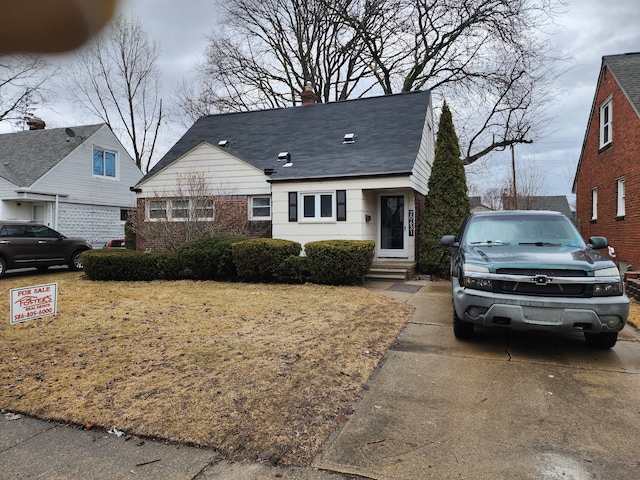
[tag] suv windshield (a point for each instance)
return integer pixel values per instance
(522, 230)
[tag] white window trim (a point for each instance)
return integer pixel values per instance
(621, 198)
(117, 166)
(594, 204)
(259, 217)
(169, 210)
(317, 209)
(606, 105)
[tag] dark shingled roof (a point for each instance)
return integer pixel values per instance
(388, 133)
(27, 156)
(626, 70)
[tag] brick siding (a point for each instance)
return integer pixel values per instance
(601, 169)
(231, 219)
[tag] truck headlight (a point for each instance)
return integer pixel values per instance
(608, 289)
(473, 277)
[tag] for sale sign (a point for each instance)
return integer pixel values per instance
(37, 301)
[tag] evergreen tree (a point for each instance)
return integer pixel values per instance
(447, 202)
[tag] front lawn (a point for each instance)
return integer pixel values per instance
(241, 368)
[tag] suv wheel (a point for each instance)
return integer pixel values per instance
(3, 267)
(75, 264)
(601, 340)
(462, 330)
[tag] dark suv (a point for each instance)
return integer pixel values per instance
(531, 270)
(25, 244)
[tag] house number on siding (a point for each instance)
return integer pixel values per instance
(411, 223)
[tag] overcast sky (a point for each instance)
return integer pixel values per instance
(589, 30)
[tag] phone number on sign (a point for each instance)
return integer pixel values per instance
(32, 313)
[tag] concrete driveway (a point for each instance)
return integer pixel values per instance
(503, 406)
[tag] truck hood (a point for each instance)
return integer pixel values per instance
(534, 256)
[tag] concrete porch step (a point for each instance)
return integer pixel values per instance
(391, 270)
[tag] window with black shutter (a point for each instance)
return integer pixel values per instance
(293, 206)
(341, 205)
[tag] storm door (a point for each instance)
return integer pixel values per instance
(392, 241)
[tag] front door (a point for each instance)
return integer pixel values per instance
(392, 241)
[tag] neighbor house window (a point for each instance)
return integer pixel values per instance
(104, 163)
(594, 204)
(180, 209)
(260, 208)
(317, 206)
(621, 198)
(605, 122)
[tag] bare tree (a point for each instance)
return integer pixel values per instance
(23, 84)
(267, 50)
(529, 185)
(487, 57)
(117, 79)
(191, 209)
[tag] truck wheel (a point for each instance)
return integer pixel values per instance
(462, 330)
(75, 264)
(601, 340)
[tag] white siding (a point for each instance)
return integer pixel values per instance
(362, 201)
(226, 174)
(73, 177)
(96, 223)
(422, 167)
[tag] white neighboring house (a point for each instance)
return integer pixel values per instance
(356, 169)
(76, 180)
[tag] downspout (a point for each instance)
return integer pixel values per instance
(55, 216)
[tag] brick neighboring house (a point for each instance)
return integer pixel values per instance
(355, 169)
(607, 181)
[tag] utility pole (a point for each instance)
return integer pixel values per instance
(513, 170)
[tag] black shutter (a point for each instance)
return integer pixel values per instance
(341, 205)
(293, 206)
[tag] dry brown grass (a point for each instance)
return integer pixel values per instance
(241, 368)
(634, 314)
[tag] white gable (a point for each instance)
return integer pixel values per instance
(225, 174)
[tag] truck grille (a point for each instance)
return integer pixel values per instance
(547, 289)
(550, 289)
(542, 271)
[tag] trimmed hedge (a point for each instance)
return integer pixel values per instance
(126, 265)
(258, 259)
(294, 269)
(333, 262)
(339, 262)
(210, 258)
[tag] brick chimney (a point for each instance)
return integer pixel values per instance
(36, 123)
(308, 96)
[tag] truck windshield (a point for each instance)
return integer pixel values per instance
(512, 229)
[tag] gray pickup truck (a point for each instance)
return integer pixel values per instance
(531, 270)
